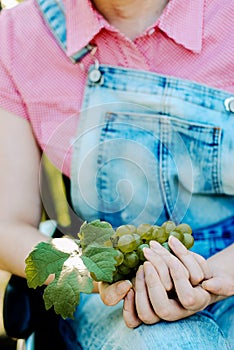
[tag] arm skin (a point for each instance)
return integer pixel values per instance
(20, 204)
(20, 201)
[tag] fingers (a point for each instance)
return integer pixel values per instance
(203, 265)
(196, 265)
(129, 311)
(111, 294)
(191, 298)
(160, 264)
(165, 308)
(143, 305)
(185, 269)
(188, 260)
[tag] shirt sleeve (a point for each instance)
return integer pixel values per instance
(10, 98)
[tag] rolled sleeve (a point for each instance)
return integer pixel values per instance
(10, 98)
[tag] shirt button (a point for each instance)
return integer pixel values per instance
(229, 104)
(151, 31)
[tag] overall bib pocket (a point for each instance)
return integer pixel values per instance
(148, 165)
(149, 149)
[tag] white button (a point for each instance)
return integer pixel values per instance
(95, 76)
(151, 31)
(229, 104)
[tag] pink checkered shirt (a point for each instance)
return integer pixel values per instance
(191, 40)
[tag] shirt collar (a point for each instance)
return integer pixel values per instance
(179, 21)
(183, 22)
(82, 24)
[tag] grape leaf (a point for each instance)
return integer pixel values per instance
(72, 262)
(63, 293)
(95, 233)
(98, 258)
(100, 261)
(44, 260)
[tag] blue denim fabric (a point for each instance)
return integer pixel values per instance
(214, 238)
(150, 148)
(99, 327)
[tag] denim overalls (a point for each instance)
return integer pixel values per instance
(151, 148)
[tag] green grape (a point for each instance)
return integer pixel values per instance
(137, 239)
(144, 230)
(119, 258)
(166, 246)
(183, 228)
(127, 243)
(131, 259)
(188, 240)
(169, 226)
(125, 229)
(177, 234)
(160, 235)
(118, 276)
(140, 251)
(123, 269)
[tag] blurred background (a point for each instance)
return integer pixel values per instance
(9, 3)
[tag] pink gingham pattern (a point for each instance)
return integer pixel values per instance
(191, 40)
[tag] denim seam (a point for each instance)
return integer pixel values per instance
(169, 83)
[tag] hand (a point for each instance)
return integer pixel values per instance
(111, 294)
(161, 274)
(222, 282)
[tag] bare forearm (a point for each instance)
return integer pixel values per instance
(20, 201)
(224, 259)
(17, 240)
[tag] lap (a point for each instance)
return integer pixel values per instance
(100, 327)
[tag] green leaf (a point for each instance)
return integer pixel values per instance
(95, 233)
(64, 292)
(72, 266)
(100, 261)
(44, 260)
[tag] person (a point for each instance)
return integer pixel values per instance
(133, 101)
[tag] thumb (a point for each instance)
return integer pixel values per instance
(218, 286)
(111, 294)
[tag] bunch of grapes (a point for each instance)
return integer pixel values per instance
(129, 241)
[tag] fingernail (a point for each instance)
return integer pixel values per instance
(140, 272)
(129, 295)
(123, 286)
(155, 245)
(147, 251)
(173, 241)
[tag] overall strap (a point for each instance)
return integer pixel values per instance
(54, 15)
